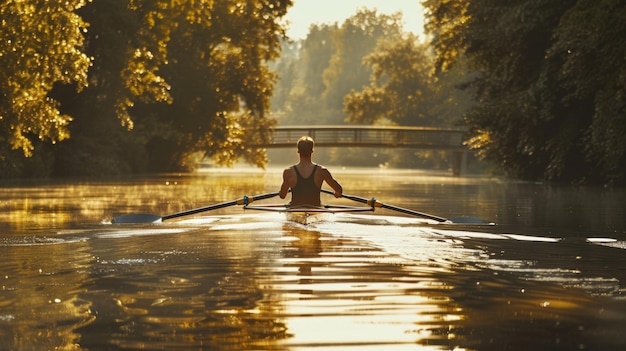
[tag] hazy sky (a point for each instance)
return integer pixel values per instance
(303, 13)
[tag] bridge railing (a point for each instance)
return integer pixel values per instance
(370, 136)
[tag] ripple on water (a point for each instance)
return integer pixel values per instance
(347, 284)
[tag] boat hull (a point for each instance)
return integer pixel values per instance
(307, 217)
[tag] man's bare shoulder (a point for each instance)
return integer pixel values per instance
(289, 173)
(321, 167)
(323, 170)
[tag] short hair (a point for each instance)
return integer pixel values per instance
(305, 145)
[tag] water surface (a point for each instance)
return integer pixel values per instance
(549, 276)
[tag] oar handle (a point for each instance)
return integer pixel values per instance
(250, 199)
(350, 197)
(374, 203)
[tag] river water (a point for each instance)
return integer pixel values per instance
(550, 275)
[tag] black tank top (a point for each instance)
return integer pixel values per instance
(305, 192)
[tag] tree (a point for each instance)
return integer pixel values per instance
(538, 115)
(358, 37)
(330, 65)
(304, 103)
(217, 56)
(287, 69)
(40, 47)
(105, 138)
(446, 22)
(589, 55)
(168, 80)
(401, 87)
(405, 90)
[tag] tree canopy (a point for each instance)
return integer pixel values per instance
(549, 83)
(135, 85)
(329, 65)
(405, 90)
(40, 46)
(120, 86)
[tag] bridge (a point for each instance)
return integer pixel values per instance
(426, 138)
(370, 136)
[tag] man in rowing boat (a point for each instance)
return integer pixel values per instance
(305, 179)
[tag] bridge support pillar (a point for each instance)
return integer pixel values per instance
(459, 163)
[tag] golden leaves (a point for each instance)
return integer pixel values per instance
(40, 46)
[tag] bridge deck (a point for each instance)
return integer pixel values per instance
(370, 136)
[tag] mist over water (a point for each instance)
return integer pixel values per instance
(549, 276)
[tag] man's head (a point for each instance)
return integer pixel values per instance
(305, 146)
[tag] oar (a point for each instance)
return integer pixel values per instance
(149, 218)
(374, 203)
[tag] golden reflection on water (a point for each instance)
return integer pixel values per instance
(40, 306)
(342, 296)
(249, 281)
(28, 206)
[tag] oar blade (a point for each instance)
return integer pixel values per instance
(136, 218)
(374, 203)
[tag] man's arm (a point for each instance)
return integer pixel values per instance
(328, 178)
(288, 182)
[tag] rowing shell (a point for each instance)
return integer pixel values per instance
(306, 214)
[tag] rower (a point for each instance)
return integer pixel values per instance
(305, 179)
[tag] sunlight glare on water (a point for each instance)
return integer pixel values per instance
(548, 276)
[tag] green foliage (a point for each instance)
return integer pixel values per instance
(401, 86)
(550, 83)
(149, 85)
(40, 46)
(358, 37)
(405, 90)
(330, 65)
(304, 86)
(216, 62)
(447, 23)
(590, 47)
